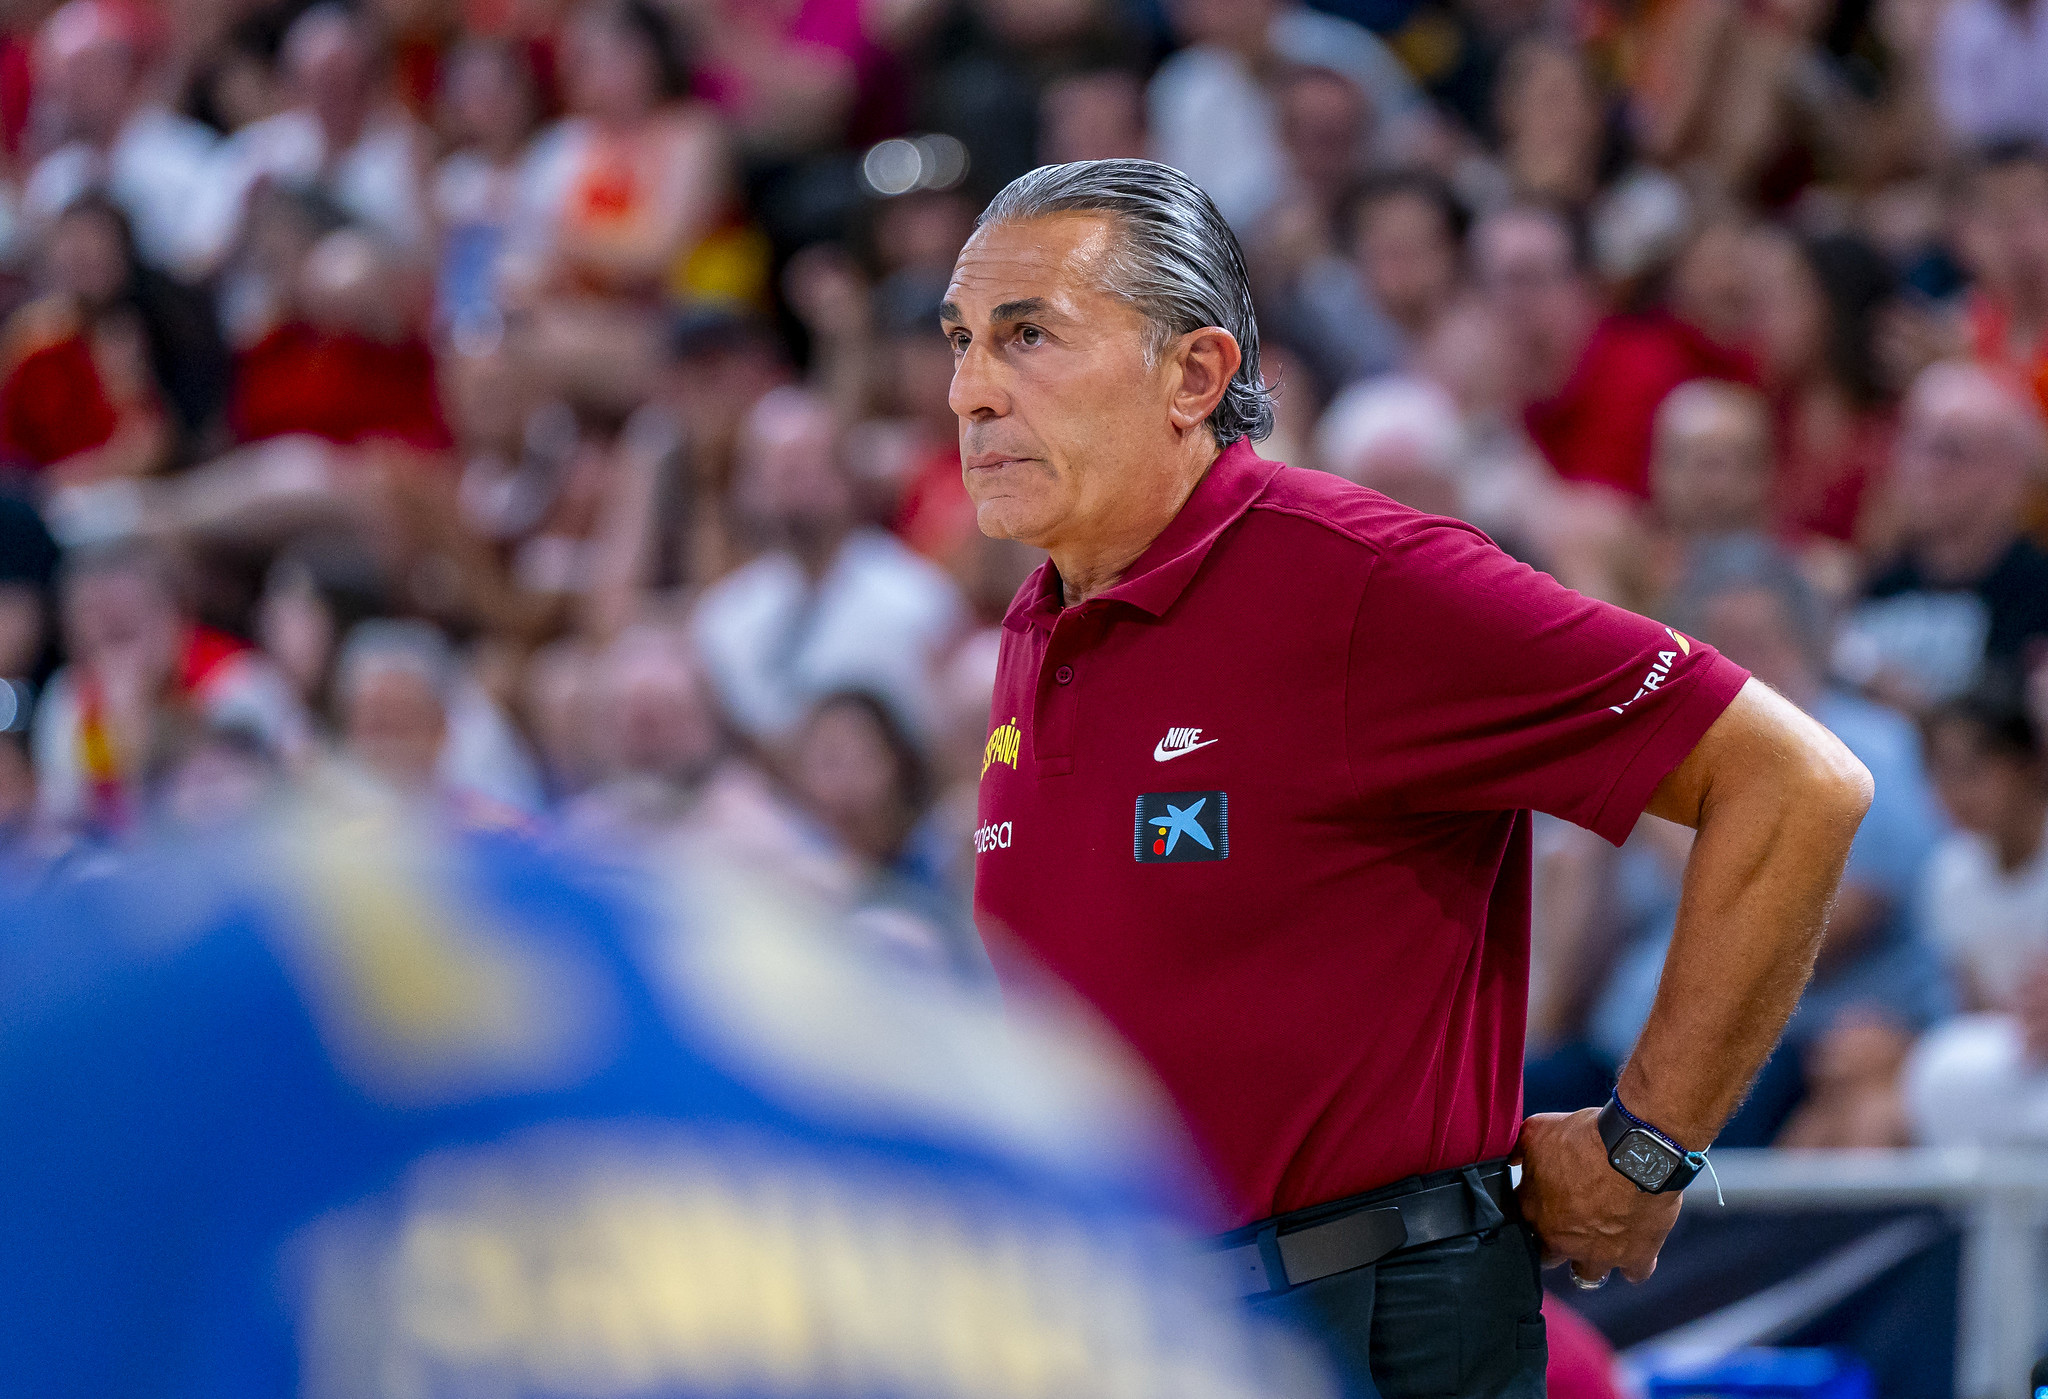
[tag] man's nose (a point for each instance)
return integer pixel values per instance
(977, 390)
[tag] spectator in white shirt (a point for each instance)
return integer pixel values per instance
(1989, 56)
(833, 604)
(488, 110)
(666, 766)
(1983, 1077)
(1213, 117)
(141, 667)
(411, 715)
(362, 150)
(96, 99)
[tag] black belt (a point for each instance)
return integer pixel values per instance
(1323, 1240)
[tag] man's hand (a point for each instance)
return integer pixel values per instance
(1585, 1212)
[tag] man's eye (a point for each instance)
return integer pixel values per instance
(1030, 335)
(958, 340)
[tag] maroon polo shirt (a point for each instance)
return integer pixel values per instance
(1266, 803)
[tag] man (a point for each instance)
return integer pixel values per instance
(920, 448)
(96, 67)
(1407, 232)
(140, 661)
(337, 1105)
(834, 605)
(1752, 604)
(1876, 982)
(1313, 294)
(667, 769)
(393, 686)
(1211, 106)
(1400, 436)
(342, 137)
(1376, 300)
(668, 524)
(1711, 464)
(1590, 383)
(2002, 237)
(411, 717)
(1982, 1077)
(1092, 113)
(1264, 746)
(656, 737)
(1969, 590)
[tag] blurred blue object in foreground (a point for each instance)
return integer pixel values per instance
(353, 1108)
(1769, 1374)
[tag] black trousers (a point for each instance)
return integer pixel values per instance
(1457, 1319)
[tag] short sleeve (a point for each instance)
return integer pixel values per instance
(1476, 683)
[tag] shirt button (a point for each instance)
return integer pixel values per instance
(1065, 675)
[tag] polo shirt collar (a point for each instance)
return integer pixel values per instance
(1234, 480)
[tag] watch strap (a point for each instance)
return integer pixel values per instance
(1616, 1121)
(1614, 1125)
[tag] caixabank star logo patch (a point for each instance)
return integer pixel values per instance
(1177, 827)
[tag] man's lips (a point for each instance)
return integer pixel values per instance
(991, 461)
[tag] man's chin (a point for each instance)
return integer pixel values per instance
(1001, 519)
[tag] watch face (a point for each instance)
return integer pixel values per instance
(1643, 1159)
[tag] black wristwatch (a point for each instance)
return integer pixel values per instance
(1651, 1161)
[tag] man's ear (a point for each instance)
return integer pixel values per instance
(1207, 360)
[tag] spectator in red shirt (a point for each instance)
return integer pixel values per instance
(933, 514)
(117, 367)
(1713, 476)
(349, 367)
(1591, 383)
(1815, 303)
(798, 77)
(54, 406)
(2002, 235)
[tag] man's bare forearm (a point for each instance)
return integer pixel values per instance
(1776, 800)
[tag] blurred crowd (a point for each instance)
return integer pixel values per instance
(537, 408)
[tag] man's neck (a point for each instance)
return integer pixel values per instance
(1088, 568)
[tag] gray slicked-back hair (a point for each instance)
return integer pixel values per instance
(1176, 261)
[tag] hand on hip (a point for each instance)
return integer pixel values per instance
(1584, 1211)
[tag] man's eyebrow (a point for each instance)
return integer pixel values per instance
(1035, 308)
(1018, 310)
(1006, 311)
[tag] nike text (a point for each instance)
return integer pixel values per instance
(1177, 742)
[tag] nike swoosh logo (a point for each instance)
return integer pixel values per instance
(1160, 752)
